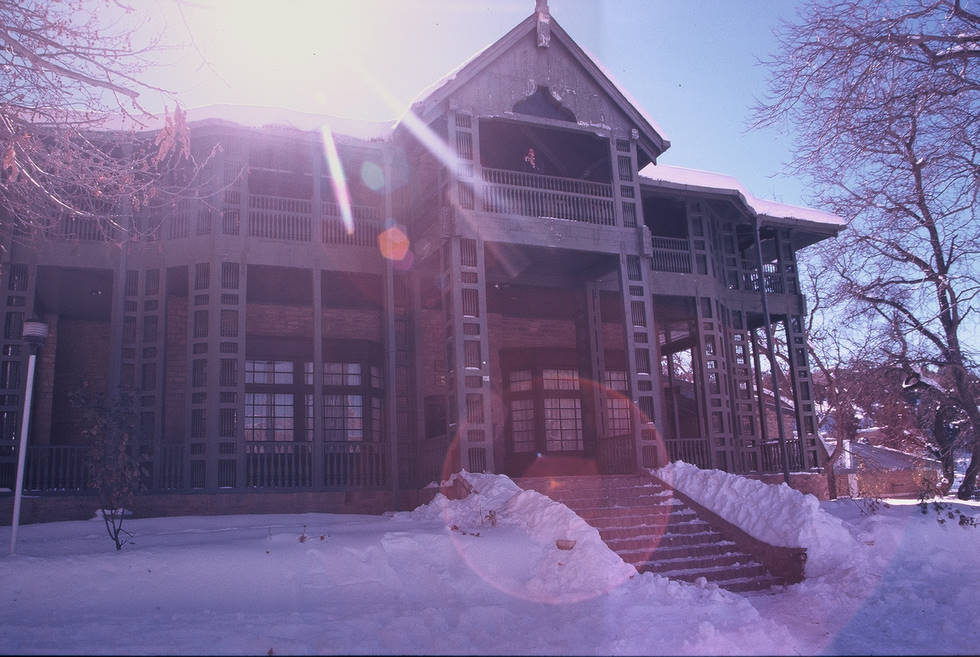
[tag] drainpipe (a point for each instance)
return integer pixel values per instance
(770, 352)
(391, 351)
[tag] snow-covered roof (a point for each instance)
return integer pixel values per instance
(489, 52)
(627, 95)
(262, 117)
(682, 178)
(879, 457)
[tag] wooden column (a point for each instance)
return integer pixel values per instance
(467, 350)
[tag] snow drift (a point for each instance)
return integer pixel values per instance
(776, 514)
(590, 568)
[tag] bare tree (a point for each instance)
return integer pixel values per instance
(885, 101)
(74, 140)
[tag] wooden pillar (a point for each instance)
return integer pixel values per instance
(467, 351)
(642, 359)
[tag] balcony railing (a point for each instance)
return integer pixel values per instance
(355, 464)
(774, 280)
(279, 218)
(367, 225)
(689, 450)
(278, 465)
(536, 195)
(56, 468)
(268, 465)
(671, 254)
(772, 461)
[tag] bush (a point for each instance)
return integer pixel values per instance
(110, 429)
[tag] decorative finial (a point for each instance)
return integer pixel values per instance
(544, 23)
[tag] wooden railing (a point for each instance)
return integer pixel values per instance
(170, 467)
(56, 468)
(280, 218)
(535, 195)
(367, 225)
(772, 460)
(278, 465)
(689, 450)
(84, 229)
(671, 255)
(616, 455)
(551, 183)
(355, 464)
(268, 465)
(290, 219)
(774, 280)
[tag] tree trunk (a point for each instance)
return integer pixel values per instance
(969, 485)
(831, 460)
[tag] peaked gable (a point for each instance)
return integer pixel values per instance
(518, 65)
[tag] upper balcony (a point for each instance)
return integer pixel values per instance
(534, 170)
(537, 195)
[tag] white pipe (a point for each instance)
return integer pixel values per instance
(22, 450)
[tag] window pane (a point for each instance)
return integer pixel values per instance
(520, 380)
(522, 425)
(560, 379)
(268, 416)
(563, 424)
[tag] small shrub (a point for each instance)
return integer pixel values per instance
(945, 512)
(110, 426)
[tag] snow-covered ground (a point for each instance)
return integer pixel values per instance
(452, 577)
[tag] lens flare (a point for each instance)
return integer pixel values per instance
(337, 178)
(372, 175)
(393, 243)
(553, 467)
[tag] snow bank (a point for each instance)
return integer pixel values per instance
(588, 569)
(776, 514)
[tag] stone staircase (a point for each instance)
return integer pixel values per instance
(651, 527)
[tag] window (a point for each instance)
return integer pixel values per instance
(522, 425)
(555, 379)
(343, 417)
(268, 416)
(352, 401)
(278, 407)
(563, 424)
(617, 405)
(342, 374)
(275, 372)
(520, 380)
(545, 410)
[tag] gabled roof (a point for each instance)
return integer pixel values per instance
(693, 180)
(426, 105)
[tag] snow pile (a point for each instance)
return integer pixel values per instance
(776, 514)
(588, 569)
(411, 584)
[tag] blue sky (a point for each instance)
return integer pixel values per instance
(691, 65)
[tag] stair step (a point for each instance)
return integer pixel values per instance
(700, 534)
(645, 523)
(650, 526)
(712, 574)
(728, 560)
(633, 515)
(592, 508)
(630, 549)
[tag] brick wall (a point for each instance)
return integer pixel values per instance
(432, 358)
(279, 320)
(297, 322)
(353, 324)
(83, 358)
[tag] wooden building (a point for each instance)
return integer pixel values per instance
(511, 296)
